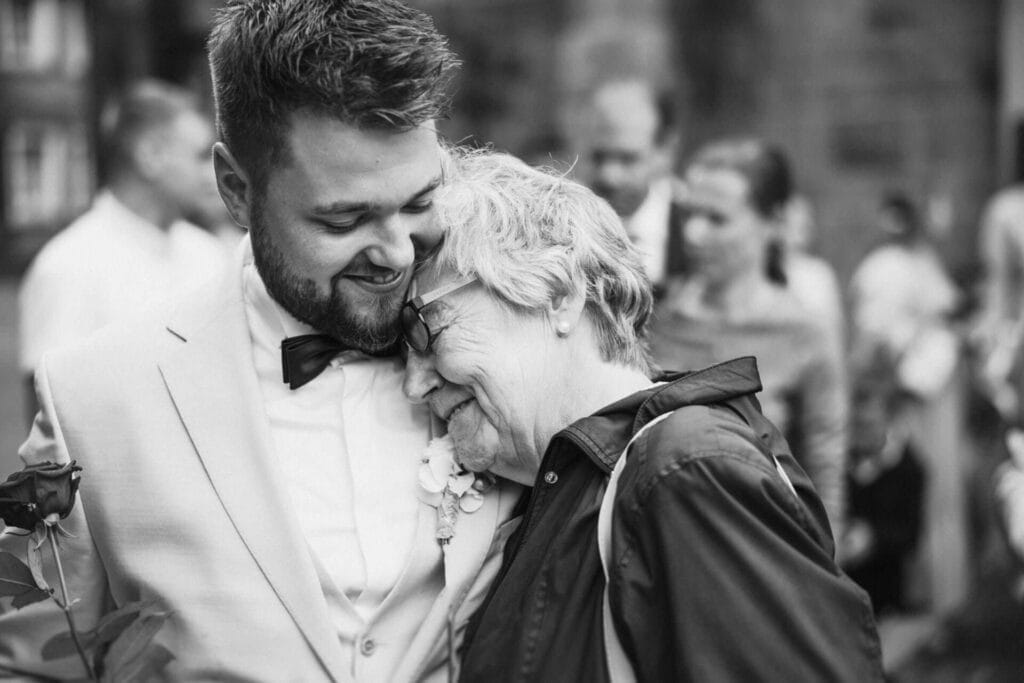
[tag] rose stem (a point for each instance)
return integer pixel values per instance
(66, 604)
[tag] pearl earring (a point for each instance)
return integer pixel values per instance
(562, 328)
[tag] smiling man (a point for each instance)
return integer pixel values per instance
(250, 462)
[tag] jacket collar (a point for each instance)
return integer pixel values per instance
(603, 435)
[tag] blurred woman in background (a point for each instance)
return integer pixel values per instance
(732, 302)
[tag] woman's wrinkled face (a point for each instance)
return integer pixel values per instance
(723, 233)
(485, 375)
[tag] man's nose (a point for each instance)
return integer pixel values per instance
(401, 237)
(421, 377)
(610, 173)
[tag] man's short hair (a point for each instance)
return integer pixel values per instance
(370, 63)
(145, 106)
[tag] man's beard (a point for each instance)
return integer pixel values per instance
(372, 328)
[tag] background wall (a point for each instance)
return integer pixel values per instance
(865, 95)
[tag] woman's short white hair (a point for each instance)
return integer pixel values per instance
(531, 235)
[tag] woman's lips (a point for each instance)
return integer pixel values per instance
(456, 409)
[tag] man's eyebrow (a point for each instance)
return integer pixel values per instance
(343, 207)
(428, 188)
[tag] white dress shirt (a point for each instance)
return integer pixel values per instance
(648, 228)
(108, 265)
(349, 445)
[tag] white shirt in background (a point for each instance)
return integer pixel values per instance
(814, 284)
(108, 265)
(648, 228)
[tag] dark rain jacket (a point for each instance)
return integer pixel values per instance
(719, 572)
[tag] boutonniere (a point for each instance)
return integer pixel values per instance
(449, 488)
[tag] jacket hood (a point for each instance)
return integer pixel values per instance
(616, 424)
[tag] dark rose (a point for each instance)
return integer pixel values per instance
(38, 491)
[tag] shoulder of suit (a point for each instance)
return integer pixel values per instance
(138, 342)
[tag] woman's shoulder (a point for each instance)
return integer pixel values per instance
(697, 432)
(703, 455)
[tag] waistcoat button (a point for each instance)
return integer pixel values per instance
(550, 477)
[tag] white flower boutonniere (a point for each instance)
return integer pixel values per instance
(448, 487)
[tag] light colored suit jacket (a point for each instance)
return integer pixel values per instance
(181, 502)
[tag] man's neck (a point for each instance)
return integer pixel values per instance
(145, 202)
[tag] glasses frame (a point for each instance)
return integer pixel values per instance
(418, 303)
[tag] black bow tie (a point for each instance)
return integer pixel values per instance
(305, 356)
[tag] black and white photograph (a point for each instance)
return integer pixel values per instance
(533, 341)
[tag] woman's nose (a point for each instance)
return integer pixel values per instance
(421, 378)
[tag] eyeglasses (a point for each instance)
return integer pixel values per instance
(418, 334)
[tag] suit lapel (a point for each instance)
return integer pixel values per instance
(215, 390)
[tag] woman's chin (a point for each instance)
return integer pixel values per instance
(473, 458)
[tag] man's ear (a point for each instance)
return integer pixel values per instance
(564, 311)
(234, 185)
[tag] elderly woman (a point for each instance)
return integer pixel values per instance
(526, 335)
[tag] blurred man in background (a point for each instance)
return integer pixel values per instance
(629, 144)
(133, 248)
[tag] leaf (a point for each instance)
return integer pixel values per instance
(107, 630)
(113, 624)
(130, 652)
(16, 579)
(142, 667)
(28, 597)
(63, 645)
(35, 565)
(15, 576)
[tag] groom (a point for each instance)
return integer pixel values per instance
(249, 459)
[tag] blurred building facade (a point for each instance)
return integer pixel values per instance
(865, 96)
(926, 96)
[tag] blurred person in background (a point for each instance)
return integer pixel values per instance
(886, 488)
(133, 249)
(811, 279)
(902, 299)
(629, 144)
(732, 302)
(999, 331)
